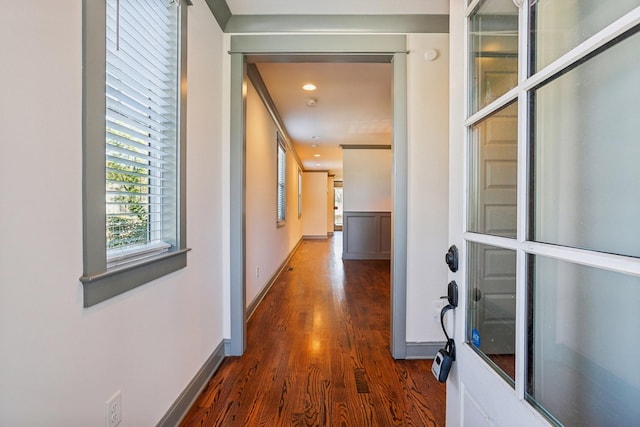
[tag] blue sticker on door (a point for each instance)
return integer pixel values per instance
(475, 338)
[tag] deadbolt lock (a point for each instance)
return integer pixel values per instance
(451, 258)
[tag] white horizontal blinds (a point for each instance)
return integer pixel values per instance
(282, 166)
(141, 127)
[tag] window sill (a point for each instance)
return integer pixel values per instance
(119, 258)
(102, 286)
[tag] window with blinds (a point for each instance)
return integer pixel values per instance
(282, 172)
(141, 128)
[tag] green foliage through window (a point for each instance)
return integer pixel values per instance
(127, 198)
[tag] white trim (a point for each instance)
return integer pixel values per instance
(488, 239)
(496, 105)
(521, 321)
(119, 257)
(606, 261)
(470, 9)
(611, 262)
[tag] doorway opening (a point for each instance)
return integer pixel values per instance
(247, 49)
(338, 208)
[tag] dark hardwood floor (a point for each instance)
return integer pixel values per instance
(318, 354)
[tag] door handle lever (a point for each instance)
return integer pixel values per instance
(452, 294)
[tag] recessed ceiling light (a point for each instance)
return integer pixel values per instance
(314, 145)
(316, 155)
(317, 164)
(309, 87)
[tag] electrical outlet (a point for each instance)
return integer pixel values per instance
(113, 410)
(257, 272)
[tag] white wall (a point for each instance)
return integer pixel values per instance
(60, 362)
(367, 180)
(267, 245)
(314, 204)
(428, 192)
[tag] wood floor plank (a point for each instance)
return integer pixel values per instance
(318, 354)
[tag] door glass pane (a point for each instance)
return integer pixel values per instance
(583, 367)
(493, 169)
(492, 305)
(558, 26)
(493, 46)
(586, 167)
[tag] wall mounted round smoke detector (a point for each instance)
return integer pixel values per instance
(431, 55)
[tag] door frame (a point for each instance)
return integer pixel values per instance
(335, 48)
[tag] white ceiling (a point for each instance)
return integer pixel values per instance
(338, 7)
(354, 99)
(353, 107)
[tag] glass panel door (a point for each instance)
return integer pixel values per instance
(552, 193)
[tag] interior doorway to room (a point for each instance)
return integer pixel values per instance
(338, 208)
(247, 50)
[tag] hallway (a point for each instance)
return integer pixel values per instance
(318, 354)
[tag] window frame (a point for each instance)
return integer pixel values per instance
(99, 282)
(280, 147)
(299, 193)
